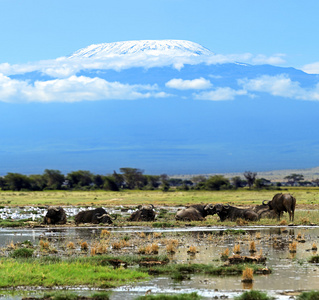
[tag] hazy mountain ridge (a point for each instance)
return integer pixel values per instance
(275, 175)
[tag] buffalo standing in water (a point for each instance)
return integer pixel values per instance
(55, 216)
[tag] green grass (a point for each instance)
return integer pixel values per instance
(192, 296)
(254, 295)
(31, 272)
(174, 269)
(171, 198)
(312, 295)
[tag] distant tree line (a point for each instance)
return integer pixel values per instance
(133, 178)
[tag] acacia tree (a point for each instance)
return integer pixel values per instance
(294, 178)
(80, 178)
(250, 177)
(133, 177)
(238, 182)
(17, 181)
(54, 179)
(217, 182)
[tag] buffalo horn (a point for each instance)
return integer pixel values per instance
(265, 203)
(226, 206)
(56, 208)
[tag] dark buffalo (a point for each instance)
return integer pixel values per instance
(282, 203)
(143, 214)
(227, 212)
(94, 216)
(194, 212)
(263, 211)
(55, 215)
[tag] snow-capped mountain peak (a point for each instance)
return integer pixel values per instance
(147, 47)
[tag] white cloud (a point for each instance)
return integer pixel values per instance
(195, 84)
(311, 68)
(220, 94)
(280, 85)
(64, 67)
(261, 59)
(73, 89)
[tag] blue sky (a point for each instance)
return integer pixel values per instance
(33, 30)
(193, 115)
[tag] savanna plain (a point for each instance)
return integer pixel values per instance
(161, 259)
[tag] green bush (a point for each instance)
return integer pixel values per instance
(314, 259)
(22, 253)
(254, 295)
(312, 295)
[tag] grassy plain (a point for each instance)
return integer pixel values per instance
(304, 196)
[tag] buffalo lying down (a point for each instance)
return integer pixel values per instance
(263, 211)
(282, 203)
(143, 214)
(55, 215)
(194, 212)
(232, 213)
(94, 216)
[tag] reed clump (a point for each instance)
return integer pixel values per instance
(105, 233)
(225, 254)
(44, 245)
(293, 247)
(248, 275)
(84, 246)
(252, 247)
(192, 250)
(152, 249)
(70, 246)
(237, 249)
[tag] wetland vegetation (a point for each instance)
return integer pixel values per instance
(126, 253)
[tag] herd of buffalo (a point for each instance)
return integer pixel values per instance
(197, 212)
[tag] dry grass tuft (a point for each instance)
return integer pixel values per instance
(252, 247)
(105, 233)
(192, 250)
(293, 247)
(171, 247)
(237, 249)
(142, 235)
(70, 245)
(248, 275)
(157, 235)
(44, 245)
(225, 254)
(283, 223)
(84, 246)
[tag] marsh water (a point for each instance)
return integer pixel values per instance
(290, 272)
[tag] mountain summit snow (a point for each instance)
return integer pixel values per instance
(148, 47)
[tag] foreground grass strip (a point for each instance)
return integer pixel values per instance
(192, 296)
(312, 295)
(254, 295)
(34, 273)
